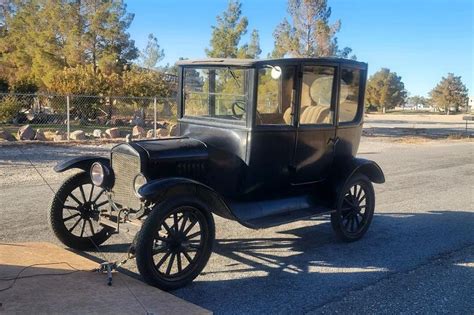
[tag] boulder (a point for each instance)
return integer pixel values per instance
(138, 121)
(97, 133)
(26, 133)
(162, 124)
(150, 133)
(59, 137)
(118, 122)
(112, 133)
(77, 135)
(138, 132)
(6, 136)
(40, 136)
(162, 132)
(173, 130)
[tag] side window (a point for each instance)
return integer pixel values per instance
(275, 95)
(349, 95)
(316, 95)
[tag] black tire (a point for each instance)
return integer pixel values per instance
(355, 209)
(167, 237)
(79, 201)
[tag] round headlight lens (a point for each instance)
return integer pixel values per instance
(97, 174)
(138, 182)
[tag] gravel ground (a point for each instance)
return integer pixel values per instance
(417, 256)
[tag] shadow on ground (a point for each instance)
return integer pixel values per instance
(308, 263)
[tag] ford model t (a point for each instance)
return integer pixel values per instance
(261, 142)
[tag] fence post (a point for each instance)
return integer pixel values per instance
(154, 117)
(68, 125)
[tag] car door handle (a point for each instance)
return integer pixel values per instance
(333, 141)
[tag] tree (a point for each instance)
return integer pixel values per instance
(418, 100)
(385, 90)
(449, 92)
(309, 34)
(107, 44)
(143, 82)
(3, 86)
(227, 33)
(251, 50)
(44, 36)
(152, 54)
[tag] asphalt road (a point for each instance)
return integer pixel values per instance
(418, 255)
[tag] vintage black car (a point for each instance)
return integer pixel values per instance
(261, 142)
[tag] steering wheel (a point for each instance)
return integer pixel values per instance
(238, 105)
(241, 106)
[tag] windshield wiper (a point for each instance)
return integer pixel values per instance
(234, 76)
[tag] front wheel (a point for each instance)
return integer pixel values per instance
(75, 211)
(355, 209)
(175, 242)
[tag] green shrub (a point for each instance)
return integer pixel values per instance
(10, 106)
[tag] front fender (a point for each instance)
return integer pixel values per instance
(81, 162)
(159, 189)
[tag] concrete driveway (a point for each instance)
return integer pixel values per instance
(417, 256)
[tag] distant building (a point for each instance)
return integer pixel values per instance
(471, 102)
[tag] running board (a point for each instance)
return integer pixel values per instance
(287, 217)
(269, 213)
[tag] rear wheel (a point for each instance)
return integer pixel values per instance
(355, 209)
(175, 242)
(75, 211)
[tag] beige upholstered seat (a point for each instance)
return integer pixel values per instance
(310, 115)
(315, 115)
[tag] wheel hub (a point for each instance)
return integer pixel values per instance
(177, 242)
(86, 210)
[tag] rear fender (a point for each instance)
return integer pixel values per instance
(159, 189)
(81, 162)
(345, 169)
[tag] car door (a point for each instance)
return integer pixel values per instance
(316, 131)
(272, 140)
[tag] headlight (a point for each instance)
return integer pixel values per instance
(97, 174)
(101, 175)
(138, 182)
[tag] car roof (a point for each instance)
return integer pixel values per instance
(256, 62)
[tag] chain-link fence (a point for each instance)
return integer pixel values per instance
(81, 117)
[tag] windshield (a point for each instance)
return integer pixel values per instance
(216, 92)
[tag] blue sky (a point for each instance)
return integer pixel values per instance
(421, 40)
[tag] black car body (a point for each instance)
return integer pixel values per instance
(262, 142)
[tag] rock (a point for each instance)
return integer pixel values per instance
(162, 132)
(6, 136)
(138, 132)
(161, 124)
(118, 122)
(26, 133)
(112, 133)
(173, 130)
(150, 134)
(78, 135)
(59, 137)
(40, 136)
(138, 121)
(97, 133)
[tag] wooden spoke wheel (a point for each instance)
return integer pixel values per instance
(355, 209)
(175, 242)
(75, 211)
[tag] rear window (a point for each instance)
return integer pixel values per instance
(349, 91)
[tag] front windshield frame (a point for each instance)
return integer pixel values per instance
(237, 78)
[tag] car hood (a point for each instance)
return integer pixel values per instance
(174, 149)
